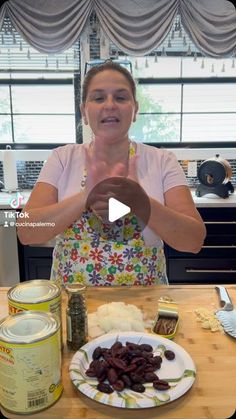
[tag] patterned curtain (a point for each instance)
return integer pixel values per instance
(137, 27)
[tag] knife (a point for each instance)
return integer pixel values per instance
(227, 314)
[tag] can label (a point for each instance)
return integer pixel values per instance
(30, 374)
(54, 306)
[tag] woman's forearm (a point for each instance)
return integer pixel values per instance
(56, 217)
(180, 231)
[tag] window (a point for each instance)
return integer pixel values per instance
(183, 96)
(37, 92)
(159, 113)
(209, 112)
(37, 113)
(185, 99)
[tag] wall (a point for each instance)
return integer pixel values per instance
(30, 162)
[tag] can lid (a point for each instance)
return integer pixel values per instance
(28, 327)
(33, 292)
(75, 288)
(168, 309)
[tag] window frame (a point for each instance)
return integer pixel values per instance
(141, 81)
(37, 82)
(183, 81)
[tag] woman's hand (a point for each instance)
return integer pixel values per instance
(100, 187)
(98, 170)
(114, 183)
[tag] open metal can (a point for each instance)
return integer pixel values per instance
(37, 294)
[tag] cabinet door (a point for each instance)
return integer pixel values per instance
(216, 262)
(38, 268)
(204, 271)
(34, 262)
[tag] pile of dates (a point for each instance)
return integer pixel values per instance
(127, 366)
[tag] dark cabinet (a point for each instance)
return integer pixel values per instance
(216, 262)
(200, 270)
(38, 268)
(34, 262)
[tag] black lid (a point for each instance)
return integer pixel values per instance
(211, 173)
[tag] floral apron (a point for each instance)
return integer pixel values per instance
(93, 253)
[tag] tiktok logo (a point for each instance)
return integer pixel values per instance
(16, 202)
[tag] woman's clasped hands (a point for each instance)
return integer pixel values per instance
(105, 180)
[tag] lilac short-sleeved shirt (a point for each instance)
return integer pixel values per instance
(158, 171)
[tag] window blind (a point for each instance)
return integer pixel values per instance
(16, 55)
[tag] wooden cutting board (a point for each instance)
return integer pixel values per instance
(213, 393)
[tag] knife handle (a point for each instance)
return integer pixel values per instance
(225, 300)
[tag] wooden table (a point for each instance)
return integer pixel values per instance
(213, 394)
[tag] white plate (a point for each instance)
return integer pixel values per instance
(180, 372)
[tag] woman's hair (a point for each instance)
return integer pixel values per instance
(107, 65)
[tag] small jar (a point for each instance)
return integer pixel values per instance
(76, 316)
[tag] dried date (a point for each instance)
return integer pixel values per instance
(131, 345)
(131, 367)
(115, 348)
(138, 361)
(105, 388)
(127, 366)
(126, 380)
(90, 372)
(119, 385)
(156, 361)
(101, 368)
(146, 347)
(149, 377)
(150, 368)
(97, 353)
(119, 363)
(136, 378)
(169, 355)
(112, 375)
(139, 388)
(161, 385)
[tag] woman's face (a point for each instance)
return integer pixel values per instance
(110, 107)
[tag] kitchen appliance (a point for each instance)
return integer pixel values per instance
(214, 175)
(227, 315)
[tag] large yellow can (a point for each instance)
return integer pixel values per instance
(30, 361)
(38, 294)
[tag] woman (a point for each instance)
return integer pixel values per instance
(85, 249)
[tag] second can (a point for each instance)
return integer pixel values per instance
(38, 294)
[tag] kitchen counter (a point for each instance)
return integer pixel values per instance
(213, 392)
(212, 200)
(205, 201)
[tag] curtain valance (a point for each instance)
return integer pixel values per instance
(137, 27)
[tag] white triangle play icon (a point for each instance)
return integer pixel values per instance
(116, 209)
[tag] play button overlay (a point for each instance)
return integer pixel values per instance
(120, 208)
(116, 209)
